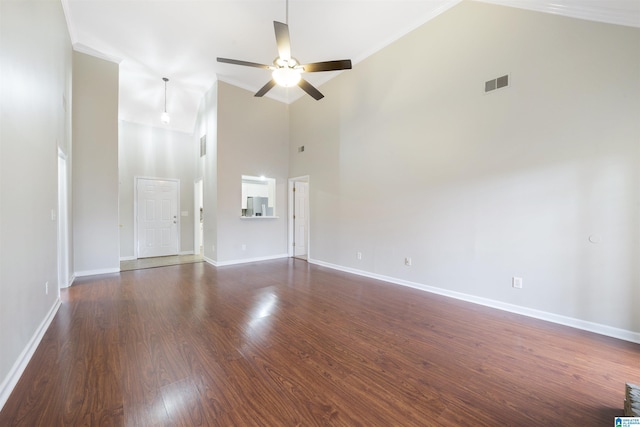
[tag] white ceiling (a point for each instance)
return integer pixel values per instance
(180, 39)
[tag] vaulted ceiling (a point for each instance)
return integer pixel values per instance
(180, 39)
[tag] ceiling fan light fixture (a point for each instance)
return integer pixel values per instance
(286, 76)
(286, 71)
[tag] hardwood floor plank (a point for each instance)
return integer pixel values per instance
(285, 343)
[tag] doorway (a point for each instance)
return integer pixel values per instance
(299, 217)
(198, 198)
(157, 221)
(63, 222)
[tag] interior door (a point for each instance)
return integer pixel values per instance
(157, 217)
(300, 218)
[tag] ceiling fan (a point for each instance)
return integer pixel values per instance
(286, 70)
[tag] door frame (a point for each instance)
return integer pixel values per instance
(198, 201)
(291, 221)
(63, 222)
(136, 245)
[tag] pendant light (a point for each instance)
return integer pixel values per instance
(165, 116)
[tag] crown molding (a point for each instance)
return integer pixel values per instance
(618, 12)
(79, 47)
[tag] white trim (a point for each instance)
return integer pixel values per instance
(16, 371)
(198, 190)
(244, 260)
(127, 258)
(186, 253)
(290, 201)
(406, 29)
(96, 272)
(597, 328)
(63, 254)
(70, 26)
(79, 47)
(598, 11)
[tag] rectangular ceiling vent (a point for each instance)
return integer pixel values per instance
(497, 83)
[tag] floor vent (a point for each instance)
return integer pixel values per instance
(497, 83)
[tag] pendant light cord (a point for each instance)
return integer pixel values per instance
(165, 93)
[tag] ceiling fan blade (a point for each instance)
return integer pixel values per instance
(282, 39)
(245, 63)
(343, 64)
(266, 88)
(308, 87)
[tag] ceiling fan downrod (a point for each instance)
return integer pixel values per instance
(286, 15)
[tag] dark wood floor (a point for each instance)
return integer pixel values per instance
(285, 343)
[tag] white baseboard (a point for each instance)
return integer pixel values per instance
(244, 260)
(186, 253)
(96, 272)
(597, 328)
(66, 285)
(8, 384)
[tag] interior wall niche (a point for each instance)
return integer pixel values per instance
(258, 197)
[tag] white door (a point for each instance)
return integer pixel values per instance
(157, 217)
(300, 218)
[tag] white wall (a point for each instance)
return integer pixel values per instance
(35, 109)
(152, 152)
(95, 165)
(206, 169)
(409, 158)
(252, 140)
(245, 136)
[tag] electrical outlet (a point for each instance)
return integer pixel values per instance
(244, 247)
(516, 282)
(407, 262)
(359, 255)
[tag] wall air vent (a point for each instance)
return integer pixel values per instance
(497, 83)
(203, 145)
